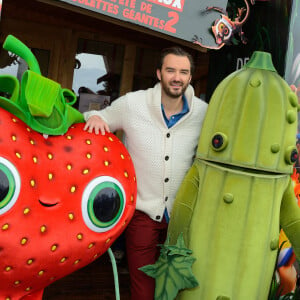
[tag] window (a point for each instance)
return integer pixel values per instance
(11, 64)
(97, 73)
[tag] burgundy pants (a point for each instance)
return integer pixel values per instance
(142, 237)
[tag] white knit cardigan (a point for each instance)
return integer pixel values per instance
(161, 156)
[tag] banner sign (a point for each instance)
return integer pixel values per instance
(184, 19)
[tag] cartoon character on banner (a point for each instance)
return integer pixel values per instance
(223, 236)
(224, 29)
(65, 194)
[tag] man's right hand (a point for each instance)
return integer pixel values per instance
(95, 123)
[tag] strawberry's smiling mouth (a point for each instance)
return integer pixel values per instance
(47, 204)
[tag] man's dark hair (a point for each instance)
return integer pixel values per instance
(176, 51)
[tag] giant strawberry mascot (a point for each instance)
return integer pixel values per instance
(65, 194)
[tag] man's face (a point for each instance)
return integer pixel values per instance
(175, 75)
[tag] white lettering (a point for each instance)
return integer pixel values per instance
(240, 62)
(173, 4)
(177, 4)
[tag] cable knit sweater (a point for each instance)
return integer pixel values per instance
(161, 156)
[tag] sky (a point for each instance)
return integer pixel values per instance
(92, 67)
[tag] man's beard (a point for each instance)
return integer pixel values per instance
(170, 93)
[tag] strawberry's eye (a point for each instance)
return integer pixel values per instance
(9, 185)
(103, 203)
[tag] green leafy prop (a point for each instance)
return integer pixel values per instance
(42, 104)
(172, 271)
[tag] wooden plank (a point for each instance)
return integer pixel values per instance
(127, 75)
(128, 69)
(66, 60)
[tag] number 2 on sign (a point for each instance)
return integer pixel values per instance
(174, 17)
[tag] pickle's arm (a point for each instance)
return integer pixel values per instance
(184, 205)
(173, 269)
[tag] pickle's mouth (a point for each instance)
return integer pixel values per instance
(241, 169)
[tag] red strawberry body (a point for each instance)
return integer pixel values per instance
(69, 198)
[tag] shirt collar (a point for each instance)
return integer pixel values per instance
(175, 118)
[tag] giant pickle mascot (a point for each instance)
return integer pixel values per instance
(237, 194)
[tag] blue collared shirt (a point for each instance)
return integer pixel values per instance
(171, 122)
(175, 118)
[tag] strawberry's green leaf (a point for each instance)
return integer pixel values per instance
(172, 271)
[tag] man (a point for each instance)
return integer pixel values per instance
(161, 128)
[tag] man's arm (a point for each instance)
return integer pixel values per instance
(108, 119)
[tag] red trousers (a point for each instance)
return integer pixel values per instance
(142, 237)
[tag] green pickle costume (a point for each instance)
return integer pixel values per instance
(237, 194)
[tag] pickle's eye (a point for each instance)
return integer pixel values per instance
(219, 141)
(10, 184)
(291, 155)
(103, 203)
